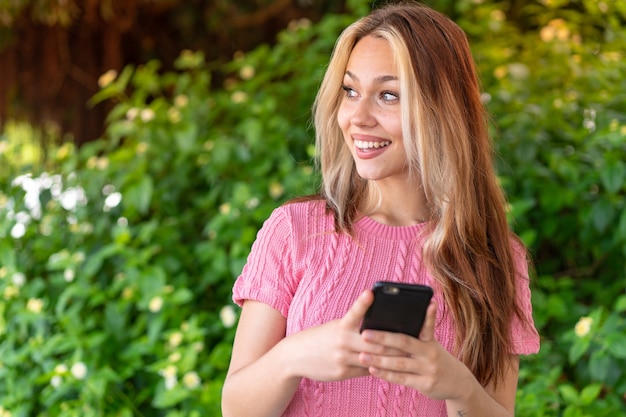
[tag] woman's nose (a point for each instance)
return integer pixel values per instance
(362, 114)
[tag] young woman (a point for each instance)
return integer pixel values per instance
(409, 195)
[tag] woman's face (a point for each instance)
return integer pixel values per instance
(369, 113)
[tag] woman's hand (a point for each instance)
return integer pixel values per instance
(425, 365)
(330, 352)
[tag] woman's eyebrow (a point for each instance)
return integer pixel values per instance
(381, 79)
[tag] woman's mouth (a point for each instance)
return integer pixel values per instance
(367, 145)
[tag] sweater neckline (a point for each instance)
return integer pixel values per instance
(371, 226)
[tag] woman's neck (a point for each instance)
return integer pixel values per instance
(397, 204)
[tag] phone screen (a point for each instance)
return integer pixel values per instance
(398, 307)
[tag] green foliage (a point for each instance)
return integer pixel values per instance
(117, 259)
(557, 99)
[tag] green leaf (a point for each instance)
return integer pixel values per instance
(572, 411)
(165, 398)
(599, 365)
(94, 262)
(602, 213)
(181, 296)
(7, 254)
(578, 349)
(569, 393)
(151, 283)
(186, 137)
(139, 195)
(115, 319)
(116, 88)
(613, 175)
(620, 233)
(620, 304)
(616, 344)
(590, 393)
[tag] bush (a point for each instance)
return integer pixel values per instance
(557, 98)
(117, 259)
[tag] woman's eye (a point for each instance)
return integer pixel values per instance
(389, 96)
(349, 92)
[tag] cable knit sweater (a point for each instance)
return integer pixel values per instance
(311, 275)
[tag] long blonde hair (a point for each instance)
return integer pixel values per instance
(468, 249)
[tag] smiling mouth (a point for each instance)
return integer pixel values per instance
(365, 145)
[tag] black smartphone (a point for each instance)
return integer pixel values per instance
(398, 308)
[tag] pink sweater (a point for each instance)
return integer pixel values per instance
(312, 275)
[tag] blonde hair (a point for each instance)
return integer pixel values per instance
(468, 249)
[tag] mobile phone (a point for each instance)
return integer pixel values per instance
(398, 307)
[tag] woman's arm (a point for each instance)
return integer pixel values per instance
(256, 383)
(475, 400)
(266, 367)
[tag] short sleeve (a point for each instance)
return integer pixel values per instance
(524, 336)
(267, 275)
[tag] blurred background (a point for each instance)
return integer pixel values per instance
(53, 52)
(143, 143)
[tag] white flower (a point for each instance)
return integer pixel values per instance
(146, 115)
(228, 316)
(155, 304)
(18, 279)
(276, 189)
(174, 115)
(79, 370)
(34, 305)
(246, 72)
(169, 376)
(58, 256)
(238, 97)
(108, 189)
(252, 203)
(68, 275)
(107, 78)
(132, 113)
(175, 339)
(18, 231)
(78, 257)
(519, 71)
(60, 369)
(169, 370)
(10, 291)
(112, 200)
(583, 326)
(225, 208)
(170, 382)
(72, 197)
(56, 381)
(191, 380)
(181, 100)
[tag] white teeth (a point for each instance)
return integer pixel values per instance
(361, 144)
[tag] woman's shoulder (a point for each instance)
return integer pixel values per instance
(306, 206)
(305, 215)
